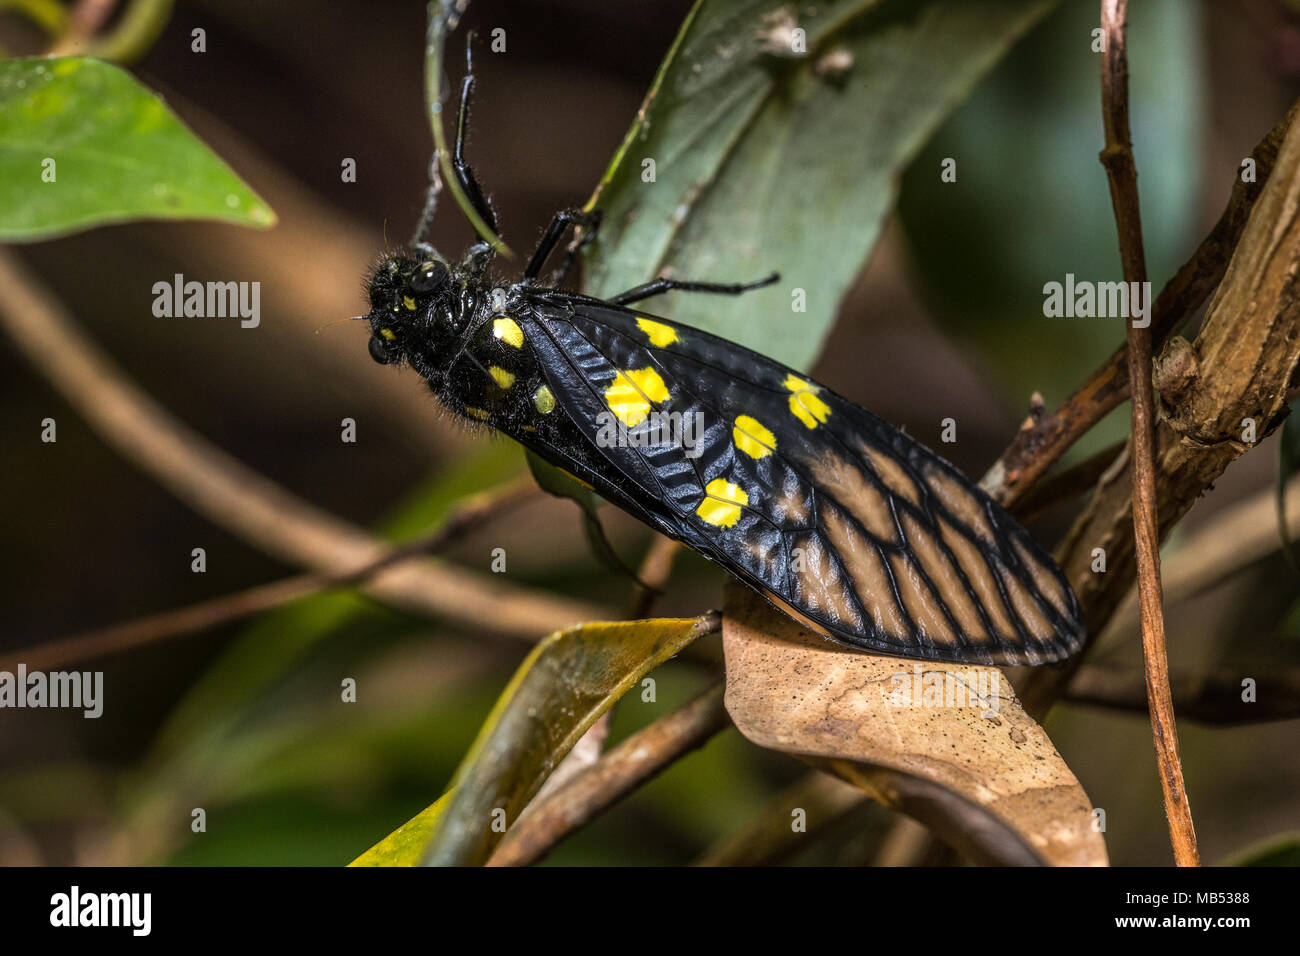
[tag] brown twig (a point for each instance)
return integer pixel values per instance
(1213, 698)
(633, 762)
(1067, 484)
(85, 18)
(1042, 440)
(207, 615)
(652, 577)
(128, 40)
(1236, 372)
(1235, 539)
(243, 501)
(1117, 157)
(768, 838)
(969, 828)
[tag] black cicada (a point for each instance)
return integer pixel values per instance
(839, 519)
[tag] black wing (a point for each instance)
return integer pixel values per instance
(840, 519)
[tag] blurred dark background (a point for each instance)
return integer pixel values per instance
(945, 320)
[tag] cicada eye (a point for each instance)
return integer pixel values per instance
(381, 351)
(428, 276)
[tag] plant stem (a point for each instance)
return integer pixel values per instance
(443, 17)
(1117, 157)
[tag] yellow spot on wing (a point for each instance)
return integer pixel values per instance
(509, 332)
(544, 399)
(752, 437)
(722, 503)
(503, 378)
(632, 393)
(659, 333)
(805, 404)
(409, 303)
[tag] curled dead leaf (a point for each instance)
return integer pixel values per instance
(947, 744)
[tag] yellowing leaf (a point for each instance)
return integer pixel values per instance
(569, 680)
(404, 845)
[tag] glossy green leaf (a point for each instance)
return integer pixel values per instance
(559, 691)
(82, 144)
(766, 159)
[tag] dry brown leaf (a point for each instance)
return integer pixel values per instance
(978, 771)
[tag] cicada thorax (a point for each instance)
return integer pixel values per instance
(493, 376)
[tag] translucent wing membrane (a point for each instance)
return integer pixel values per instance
(841, 520)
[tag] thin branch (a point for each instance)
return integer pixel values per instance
(443, 18)
(206, 615)
(127, 41)
(235, 497)
(1042, 440)
(908, 843)
(767, 838)
(1215, 697)
(1230, 394)
(1234, 539)
(85, 18)
(652, 577)
(1117, 157)
(629, 765)
(1067, 484)
(980, 836)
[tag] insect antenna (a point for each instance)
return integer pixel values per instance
(330, 325)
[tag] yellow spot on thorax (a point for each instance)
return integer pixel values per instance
(479, 413)
(544, 400)
(753, 437)
(503, 378)
(409, 303)
(722, 503)
(659, 333)
(805, 404)
(631, 395)
(509, 332)
(388, 334)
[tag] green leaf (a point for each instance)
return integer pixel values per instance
(558, 482)
(1280, 850)
(113, 150)
(766, 160)
(559, 691)
(403, 846)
